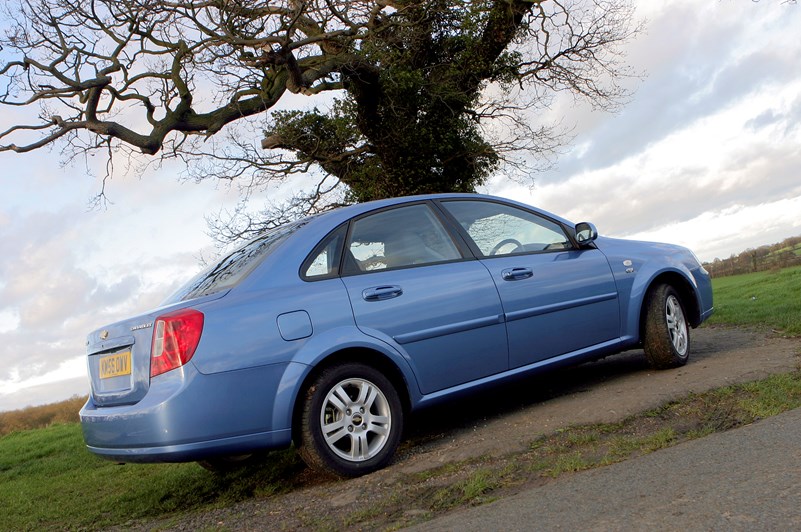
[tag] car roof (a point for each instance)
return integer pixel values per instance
(314, 228)
(342, 214)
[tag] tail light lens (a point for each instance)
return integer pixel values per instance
(175, 338)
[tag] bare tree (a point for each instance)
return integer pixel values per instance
(422, 95)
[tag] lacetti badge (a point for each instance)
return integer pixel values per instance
(143, 326)
(103, 335)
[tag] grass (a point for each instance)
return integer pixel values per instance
(765, 299)
(49, 481)
(696, 415)
(469, 491)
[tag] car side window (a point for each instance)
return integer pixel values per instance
(397, 238)
(323, 262)
(498, 229)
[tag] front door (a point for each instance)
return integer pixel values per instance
(411, 286)
(557, 299)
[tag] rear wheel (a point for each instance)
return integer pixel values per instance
(666, 339)
(351, 421)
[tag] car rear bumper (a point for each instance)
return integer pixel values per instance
(188, 452)
(186, 415)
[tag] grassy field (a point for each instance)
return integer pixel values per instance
(49, 481)
(764, 299)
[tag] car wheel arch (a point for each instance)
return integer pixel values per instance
(686, 291)
(362, 355)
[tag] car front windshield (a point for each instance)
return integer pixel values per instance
(234, 267)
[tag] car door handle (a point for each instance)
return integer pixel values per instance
(380, 293)
(516, 274)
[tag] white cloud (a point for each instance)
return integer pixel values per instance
(9, 320)
(67, 369)
(68, 270)
(709, 152)
(718, 234)
(44, 393)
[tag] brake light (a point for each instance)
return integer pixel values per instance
(175, 338)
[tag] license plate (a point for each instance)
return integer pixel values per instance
(115, 365)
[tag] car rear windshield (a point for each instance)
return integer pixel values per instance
(234, 267)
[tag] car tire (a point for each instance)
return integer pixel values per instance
(666, 333)
(351, 421)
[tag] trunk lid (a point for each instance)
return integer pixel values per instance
(119, 361)
(119, 355)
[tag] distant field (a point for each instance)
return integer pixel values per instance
(49, 481)
(771, 257)
(35, 417)
(764, 299)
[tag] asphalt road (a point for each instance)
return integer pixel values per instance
(743, 479)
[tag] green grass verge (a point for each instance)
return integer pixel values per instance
(49, 481)
(764, 299)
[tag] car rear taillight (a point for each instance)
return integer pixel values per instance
(175, 338)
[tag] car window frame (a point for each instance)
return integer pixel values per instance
(462, 247)
(476, 251)
(315, 252)
(465, 253)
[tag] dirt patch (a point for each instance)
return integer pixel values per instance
(504, 420)
(444, 445)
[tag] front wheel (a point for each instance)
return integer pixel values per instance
(351, 421)
(666, 339)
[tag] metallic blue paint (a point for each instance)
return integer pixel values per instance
(164, 425)
(447, 329)
(294, 325)
(447, 317)
(569, 303)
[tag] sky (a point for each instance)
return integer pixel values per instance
(706, 154)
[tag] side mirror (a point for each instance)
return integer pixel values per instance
(585, 233)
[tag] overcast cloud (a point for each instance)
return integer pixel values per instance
(707, 153)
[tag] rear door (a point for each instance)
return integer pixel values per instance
(556, 298)
(411, 285)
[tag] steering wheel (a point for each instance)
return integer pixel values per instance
(504, 242)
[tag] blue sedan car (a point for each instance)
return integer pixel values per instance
(327, 331)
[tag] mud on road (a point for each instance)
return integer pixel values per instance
(506, 419)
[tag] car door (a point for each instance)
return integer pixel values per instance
(410, 285)
(556, 298)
